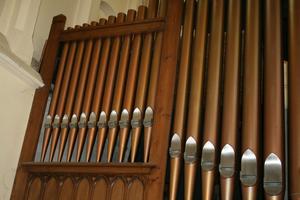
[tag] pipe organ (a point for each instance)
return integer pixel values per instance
(177, 100)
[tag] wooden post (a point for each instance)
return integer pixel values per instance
(38, 107)
(163, 105)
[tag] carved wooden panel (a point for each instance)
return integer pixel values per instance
(86, 187)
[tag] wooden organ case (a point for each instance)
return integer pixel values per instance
(177, 100)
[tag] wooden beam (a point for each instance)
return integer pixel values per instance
(110, 169)
(144, 26)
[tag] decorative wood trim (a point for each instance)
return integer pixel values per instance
(145, 26)
(117, 169)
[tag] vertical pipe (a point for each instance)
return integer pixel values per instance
(109, 87)
(79, 96)
(195, 99)
(251, 103)
(231, 101)
(181, 98)
(153, 84)
(273, 103)
(130, 88)
(294, 98)
(119, 90)
(91, 78)
(54, 100)
(68, 104)
(97, 94)
(212, 107)
(142, 86)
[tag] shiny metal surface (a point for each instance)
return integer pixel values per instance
(74, 121)
(48, 121)
(82, 121)
(273, 180)
(208, 156)
(65, 121)
(124, 121)
(92, 120)
(56, 122)
(190, 153)
(248, 174)
(175, 148)
(136, 118)
(113, 119)
(227, 163)
(148, 119)
(102, 123)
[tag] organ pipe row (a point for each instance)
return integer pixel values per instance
(228, 119)
(93, 98)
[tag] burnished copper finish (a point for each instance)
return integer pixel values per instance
(54, 100)
(71, 94)
(181, 94)
(212, 107)
(109, 87)
(251, 95)
(131, 84)
(63, 95)
(79, 95)
(294, 98)
(195, 98)
(143, 79)
(153, 80)
(99, 88)
(231, 92)
(120, 86)
(273, 88)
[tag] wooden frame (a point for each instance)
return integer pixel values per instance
(155, 170)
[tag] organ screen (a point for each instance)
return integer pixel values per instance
(194, 99)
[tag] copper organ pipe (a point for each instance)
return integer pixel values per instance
(54, 100)
(109, 87)
(130, 88)
(230, 102)
(78, 99)
(93, 104)
(90, 85)
(294, 98)
(70, 97)
(119, 90)
(195, 101)
(153, 85)
(181, 98)
(273, 103)
(212, 107)
(141, 93)
(250, 143)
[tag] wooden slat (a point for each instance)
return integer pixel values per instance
(84, 168)
(145, 26)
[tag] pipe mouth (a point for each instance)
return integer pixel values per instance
(175, 148)
(227, 162)
(208, 156)
(190, 154)
(248, 174)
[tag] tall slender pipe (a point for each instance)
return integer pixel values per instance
(130, 88)
(91, 80)
(181, 98)
(231, 101)
(78, 99)
(98, 92)
(153, 85)
(109, 88)
(119, 90)
(294, 98)
(212, 107)
(273, 103)
(67, 107)
(143, 81)
(195, 99)
(54, 100)
(251, 143)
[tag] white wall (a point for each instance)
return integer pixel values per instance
(18, 82)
